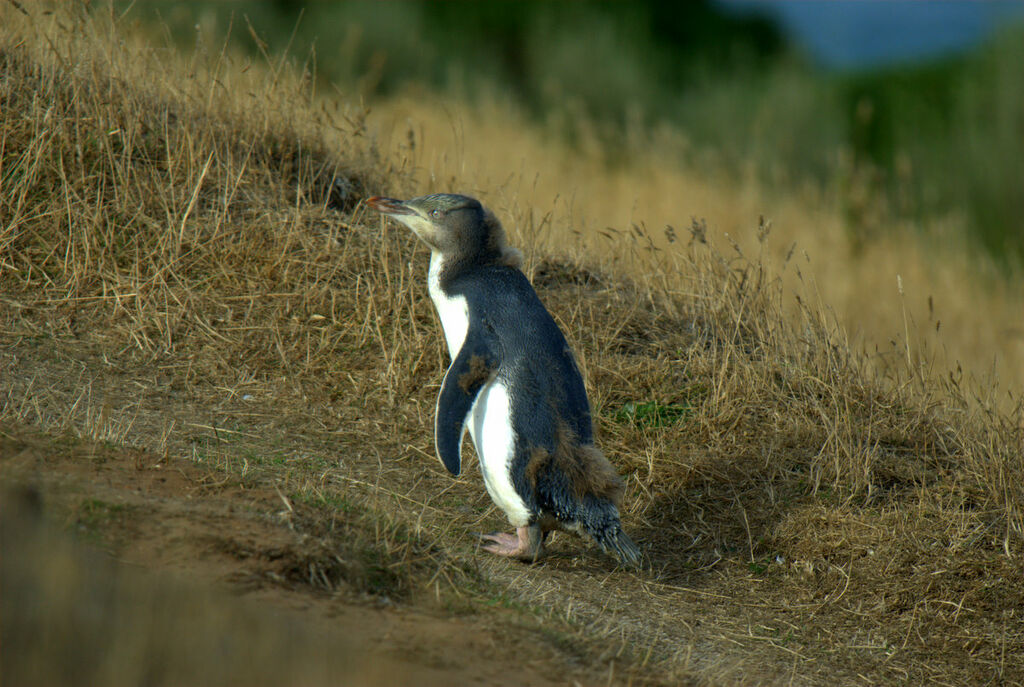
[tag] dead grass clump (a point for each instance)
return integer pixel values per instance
(129, 187)
(801, 399)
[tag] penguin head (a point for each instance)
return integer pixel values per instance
(450, 224)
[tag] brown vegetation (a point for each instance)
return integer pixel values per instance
(913, 288)
(187, 270)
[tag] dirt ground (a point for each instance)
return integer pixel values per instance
(166, 532)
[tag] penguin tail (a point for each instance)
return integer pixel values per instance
(617, 543)
(624, 549)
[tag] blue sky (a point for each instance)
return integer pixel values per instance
(844, 34)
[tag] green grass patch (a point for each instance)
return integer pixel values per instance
(653, 413)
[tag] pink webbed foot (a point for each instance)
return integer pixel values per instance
(526, 544)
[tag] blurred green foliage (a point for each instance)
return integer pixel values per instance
(907, 142)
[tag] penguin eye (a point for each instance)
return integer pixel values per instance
(436, 212)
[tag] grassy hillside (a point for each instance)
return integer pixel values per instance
(923, 141)
(881, 178)
(188, 274)
(897, 293)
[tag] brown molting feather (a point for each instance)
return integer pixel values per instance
(586, 468)
(479, 372)
(512, 257)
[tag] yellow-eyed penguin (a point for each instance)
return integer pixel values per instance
(513, 383)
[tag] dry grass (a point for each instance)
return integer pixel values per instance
(182, 272)
(921, 281)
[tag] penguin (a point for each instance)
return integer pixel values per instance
(513, 384)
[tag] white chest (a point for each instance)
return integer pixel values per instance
(454, 312)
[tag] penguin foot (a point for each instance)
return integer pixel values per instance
(526, 544)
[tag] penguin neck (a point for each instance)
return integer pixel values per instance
(445, 268)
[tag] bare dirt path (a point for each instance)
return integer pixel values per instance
(216, 566)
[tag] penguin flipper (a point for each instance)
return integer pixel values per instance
(473, 367)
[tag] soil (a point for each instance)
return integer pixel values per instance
(168, 527)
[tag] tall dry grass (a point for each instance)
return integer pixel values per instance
(921, 288)
(185, 236)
